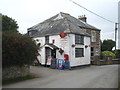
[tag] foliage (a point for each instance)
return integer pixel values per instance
(117, 53)
(107, 45)
(9, 24)
(17, 49)
(104, 53)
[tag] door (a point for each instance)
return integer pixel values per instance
(47, 54)
(53, 53)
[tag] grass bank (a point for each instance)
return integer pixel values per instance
(18, 79)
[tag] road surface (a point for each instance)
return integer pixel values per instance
(89, 77)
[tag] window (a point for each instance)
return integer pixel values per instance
(79, 39)
(47, 39)
(79, 52)
(31, 32)
(92, 51)
(93, 36)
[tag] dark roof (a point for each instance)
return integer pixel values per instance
(59, 23)
(51, 46)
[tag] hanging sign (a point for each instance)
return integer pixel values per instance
(62, 35)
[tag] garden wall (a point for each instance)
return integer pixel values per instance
(107, 60)
(15, 71)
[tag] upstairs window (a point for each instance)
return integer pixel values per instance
(79, 39)
(93, 37)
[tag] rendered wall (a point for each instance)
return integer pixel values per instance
(66, 45)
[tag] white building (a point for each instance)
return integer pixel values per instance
(60, 36)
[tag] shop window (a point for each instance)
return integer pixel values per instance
(79, 52)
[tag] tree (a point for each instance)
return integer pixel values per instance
(17, 50)
(107, 45)
(9, 24)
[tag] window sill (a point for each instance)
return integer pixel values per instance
(79, 57)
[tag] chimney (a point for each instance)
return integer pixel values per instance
(83, 18)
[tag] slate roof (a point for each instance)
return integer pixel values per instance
(59, 23)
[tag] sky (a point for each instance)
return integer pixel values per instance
(28, 13)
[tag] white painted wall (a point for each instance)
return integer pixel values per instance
(66, 45)
(41, 51)
(80, 60)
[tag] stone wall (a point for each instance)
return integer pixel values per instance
(15, 71)
(96, 45)
(107, 60)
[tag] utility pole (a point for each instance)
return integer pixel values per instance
(115, 35)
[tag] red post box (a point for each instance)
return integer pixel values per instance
(66, 57)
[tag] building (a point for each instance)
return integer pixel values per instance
(65, 37)
(119, 25)
(95, 37)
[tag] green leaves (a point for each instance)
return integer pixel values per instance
(9, 24)
(107, 45)
(108, 53)
(17, 49)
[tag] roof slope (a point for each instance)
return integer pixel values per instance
(59, 23)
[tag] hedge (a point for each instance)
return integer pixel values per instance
(17, 49)
(104, 53)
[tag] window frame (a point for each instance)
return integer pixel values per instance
(79, 39)
(93, 36)
(80, 53)
(92, 51)
(47, 39)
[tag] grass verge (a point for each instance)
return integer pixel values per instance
(18, 79)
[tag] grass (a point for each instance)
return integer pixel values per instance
(18, 79)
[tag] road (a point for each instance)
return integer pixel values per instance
(89, 77)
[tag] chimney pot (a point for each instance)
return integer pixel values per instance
(83, 18)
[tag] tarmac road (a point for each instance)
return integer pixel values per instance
(89, 77)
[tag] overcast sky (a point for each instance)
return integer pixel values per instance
(30, 12)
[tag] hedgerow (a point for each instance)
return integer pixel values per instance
(17, 49)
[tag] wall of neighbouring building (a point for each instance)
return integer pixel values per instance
(96, 45)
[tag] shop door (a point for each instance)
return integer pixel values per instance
(53, 53)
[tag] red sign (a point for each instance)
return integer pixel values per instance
(62, 35)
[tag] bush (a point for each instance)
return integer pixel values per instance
(104, 53)
(117, 53)
(17, 49)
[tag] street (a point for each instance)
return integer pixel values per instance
(88, 77)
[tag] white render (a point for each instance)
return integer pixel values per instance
(66, 44)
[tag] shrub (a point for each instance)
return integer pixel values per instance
(117, 53)
(17, 49)
(104, 53)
